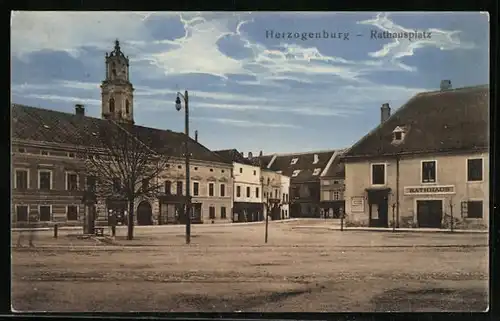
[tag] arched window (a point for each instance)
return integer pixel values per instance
(112, 105)
(127, 106)
(113, 72)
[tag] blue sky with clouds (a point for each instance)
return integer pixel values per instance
(248, 91)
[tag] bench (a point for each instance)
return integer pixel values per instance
(99, 231)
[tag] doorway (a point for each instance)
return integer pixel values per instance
(378, 213)
(429, 213)
(144, 214)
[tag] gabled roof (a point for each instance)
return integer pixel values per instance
(44, 125)
(337, 167)
(232, 155)
(439, 121)
(305, 163)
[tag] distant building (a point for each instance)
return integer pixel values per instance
(425, 164)
(247, 187)
(46, 189)
(333, 187)
(305, 171)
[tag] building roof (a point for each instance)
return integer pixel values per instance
(304, 163)
(44, 125)
(233, 155)
(439, 121)
(337, 167)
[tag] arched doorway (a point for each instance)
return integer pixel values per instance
(144, 214)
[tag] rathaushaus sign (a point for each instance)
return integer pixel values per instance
(448, 189)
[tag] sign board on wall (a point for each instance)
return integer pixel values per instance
(426, 190)
(357, 204)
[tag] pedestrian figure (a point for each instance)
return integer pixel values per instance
(112, 222)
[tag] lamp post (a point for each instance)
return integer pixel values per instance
(178, 106)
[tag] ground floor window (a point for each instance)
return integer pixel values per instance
(472, 209)
(72, 213)
(22, 213)
(223, 212)
(211, 212)
(45, 213)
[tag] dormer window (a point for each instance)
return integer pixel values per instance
(316, 171)
(294, 161)
(398, 134)
(316, 159)
(296, 173)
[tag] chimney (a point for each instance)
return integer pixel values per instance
(195, 135)
(385, 112)
(260, 154)
(445, 85)
(250, 155)
(79, 110)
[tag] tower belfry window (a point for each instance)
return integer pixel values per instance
(127, 107)
(111, 105)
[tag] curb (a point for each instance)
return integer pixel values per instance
(139, 227)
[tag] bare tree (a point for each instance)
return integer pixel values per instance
(124, 166)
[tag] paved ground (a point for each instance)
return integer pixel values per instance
(229, 268)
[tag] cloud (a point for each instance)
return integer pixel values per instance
(245, 123)
(402, 47)
(75, 100)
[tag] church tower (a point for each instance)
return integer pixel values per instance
(116, 89)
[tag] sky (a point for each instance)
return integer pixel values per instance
(277, 82)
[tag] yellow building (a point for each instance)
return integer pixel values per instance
(424, 165)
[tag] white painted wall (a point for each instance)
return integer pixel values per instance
(247, 176)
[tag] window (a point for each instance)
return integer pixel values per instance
(71, 155)
(145, 185)
(294, 161)
(45, 213)
(71, 182)
(196, 188)
(276, 194)
(210, 189)
(378, 174)
(336, 196)
(316, 171)
(168, 187)
(211, 212)
(44, 152)
(241, 170)
(211, 169)
(223, 214)
(116, 185)
(45, 180)
(222, 171)
(286, 198)
(316, 159)
(112, 105)
(248, 191)
(22, 213)
(113, 72)
(72, 213)
(257, 192)
(428, 171)
(127, 107)
(398, 135)
(21, 179)
(335, 182)
(179, 188)
(21, 150)
(296, 173)
(222, 190)
(475, 170)
(179, 166)
(473, 209)
(254, 172)
(91, 183)
(238, 191)
(196, 168)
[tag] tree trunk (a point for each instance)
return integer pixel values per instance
(130, 234)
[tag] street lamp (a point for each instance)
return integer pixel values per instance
(178, 106)
(267, 205)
